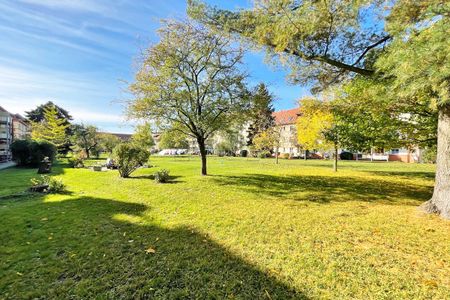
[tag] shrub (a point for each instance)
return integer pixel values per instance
(47, 184)
(31, 152)
(243, 153)
(162, 176)
(77, 160)
(128, 158)
(285, 155)
(21, 152)
(264, 154)
(346, 155)
(429, 155)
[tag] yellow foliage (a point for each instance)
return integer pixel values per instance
(315, 118)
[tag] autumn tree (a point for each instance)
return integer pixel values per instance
(260, 113)
(190, 81)
(268, 140)
(316, 128)
(329, 42)
(51, 128)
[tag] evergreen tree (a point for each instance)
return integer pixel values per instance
(38, 114)
(51, 128)
(261, 112)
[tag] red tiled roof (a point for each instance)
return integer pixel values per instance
(286, 117)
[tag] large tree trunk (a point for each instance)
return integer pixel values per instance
(440, 202)
(202, 147)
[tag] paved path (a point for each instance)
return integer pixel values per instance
(7, 165)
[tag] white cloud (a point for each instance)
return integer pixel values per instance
(72, 5)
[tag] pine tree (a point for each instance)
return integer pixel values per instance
(261, 113)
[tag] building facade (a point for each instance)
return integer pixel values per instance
(12, 127)
(286, 124)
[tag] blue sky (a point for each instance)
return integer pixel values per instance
(80, 53)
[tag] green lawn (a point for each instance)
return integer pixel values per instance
(250, 230)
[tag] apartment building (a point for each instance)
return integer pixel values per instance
(285, 122)
(12, 127)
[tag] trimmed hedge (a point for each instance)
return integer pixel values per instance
(31, 153)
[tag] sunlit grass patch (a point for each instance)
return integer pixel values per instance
(252, 229)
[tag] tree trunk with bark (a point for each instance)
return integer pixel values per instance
(202, 147)
(440, 202)
(335, 163)
(276, 155)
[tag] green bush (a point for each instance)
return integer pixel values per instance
(55, 185)
(429, 155)
(77, 160)
(162, 176)
(31, 152)
(264, 154)
(346, 155)
(21, 152)
(128, 158)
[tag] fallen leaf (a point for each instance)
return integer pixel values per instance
(44, 219)
(150, 250)
(18, 273)
(130, 241)
(430, 283)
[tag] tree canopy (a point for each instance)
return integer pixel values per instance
(322, 42)
(38, 114)
(143, 136)
(190, 81)
(85, 137)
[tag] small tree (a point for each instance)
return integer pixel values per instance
(316, 128)
(85, 137)
(128, 158)
(143, 136)
(268, 140)
(109, 141)
(190, 81)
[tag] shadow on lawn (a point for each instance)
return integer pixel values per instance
(325, 189)
(95, 248)
(172, 179)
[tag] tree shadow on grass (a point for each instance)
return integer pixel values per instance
(408, 175)
(325, 189)
(172, 179)
(96, 248)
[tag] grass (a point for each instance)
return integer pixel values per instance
(250, 230)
